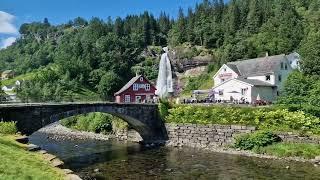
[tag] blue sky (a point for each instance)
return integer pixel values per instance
(13, 13)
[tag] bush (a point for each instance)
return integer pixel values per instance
(8, 128)
(164, 107)
(93, 122)
(276, 119)
(256, 140)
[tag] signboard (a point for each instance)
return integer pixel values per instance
(225, 76)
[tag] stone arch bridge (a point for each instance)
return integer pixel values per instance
(144, 118)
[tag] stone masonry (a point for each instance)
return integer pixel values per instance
(206, 136)
(203, 136)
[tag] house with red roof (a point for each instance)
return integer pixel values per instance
(138, 90)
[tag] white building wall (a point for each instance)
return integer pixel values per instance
(224, 73)
(233, 85)
(264, 79)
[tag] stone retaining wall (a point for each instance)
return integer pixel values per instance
(291, 137)
(128, 135)
(206, 136)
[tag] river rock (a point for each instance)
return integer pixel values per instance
(57, 162)
(73, 177)
(42, 152)
(96, 170)
(49, 157)
(33, 147)
(67, 171)
(23, 139)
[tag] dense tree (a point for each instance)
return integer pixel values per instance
(90, 53)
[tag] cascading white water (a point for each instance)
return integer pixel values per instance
(164, 81)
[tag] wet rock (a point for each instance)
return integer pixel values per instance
(57, 162)
(169, 169)
(287, 167)
(33, 147)
(96, 170)
(23, 139)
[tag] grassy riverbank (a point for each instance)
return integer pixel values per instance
(17, 163)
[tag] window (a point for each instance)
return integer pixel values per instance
(279, 77)
(127, 98)
(225, 69)
(285, 66)
(244, 91)
(221, 92)
(135, 87)
(281, 65)
(268, 78)
(138, 99)
(141, 79)
(147, 87)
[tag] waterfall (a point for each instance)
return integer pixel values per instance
(164, 81)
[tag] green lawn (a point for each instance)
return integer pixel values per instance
(16, 163)
(307, 151)
(12, 81)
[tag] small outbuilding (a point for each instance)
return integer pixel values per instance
(7, 74)
(138, 90)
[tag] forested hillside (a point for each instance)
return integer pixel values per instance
(102, 55)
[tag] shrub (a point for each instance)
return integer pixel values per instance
(8, 128)
(93, 122)
(277, 119)
(164, 107)
(256, 140)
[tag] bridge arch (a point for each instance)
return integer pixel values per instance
(143, 118)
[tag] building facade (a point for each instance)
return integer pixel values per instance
(138, 90)
(7, 74)
(253, 79)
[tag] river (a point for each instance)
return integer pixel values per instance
(92, 159)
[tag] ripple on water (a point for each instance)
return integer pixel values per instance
(116, 160)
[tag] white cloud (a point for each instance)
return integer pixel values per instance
(6, 23)
(7, 42)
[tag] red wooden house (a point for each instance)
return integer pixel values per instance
(137, 90)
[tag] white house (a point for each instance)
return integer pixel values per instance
(254, 79)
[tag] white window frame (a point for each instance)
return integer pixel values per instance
(127, 98)
(147, 87)
(135, 87)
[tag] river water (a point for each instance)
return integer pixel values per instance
(92, 159)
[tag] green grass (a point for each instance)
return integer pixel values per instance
(17, 163)
(307, 151)
(12, 81)
(84, 94)
(8, 128)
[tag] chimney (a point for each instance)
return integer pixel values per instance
(267, 54)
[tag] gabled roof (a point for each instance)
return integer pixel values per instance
(255, 82)
(7, 71)
(130, 83)
(257, 66)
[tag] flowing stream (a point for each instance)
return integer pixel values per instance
(92, 159)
